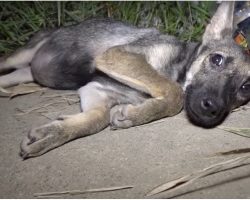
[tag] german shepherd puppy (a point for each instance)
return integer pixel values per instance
(130, 76)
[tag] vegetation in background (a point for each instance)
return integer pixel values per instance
(20, 20)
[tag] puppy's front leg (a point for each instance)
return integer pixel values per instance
(125, 116)
(133, 70)
(49, 136)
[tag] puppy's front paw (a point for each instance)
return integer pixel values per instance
(42, 139)
(119, 117)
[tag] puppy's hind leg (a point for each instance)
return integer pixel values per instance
(22, 57)
(16, 77)
(20, 61)
(96, 106)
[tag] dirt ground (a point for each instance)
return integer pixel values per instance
(143, 157)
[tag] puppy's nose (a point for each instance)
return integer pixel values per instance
(210, 107)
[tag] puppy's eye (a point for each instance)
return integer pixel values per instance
(217, 60)
(245, 88)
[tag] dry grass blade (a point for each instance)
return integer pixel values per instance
(24, 112)
(107, 189)
(71, 101)
(4, 92)
(241, 108)
(245, 132)
(185, 180)
(49, 197)
(76, 192)
(65, 97)
(234, 151)
(20, 90)
(61, 95)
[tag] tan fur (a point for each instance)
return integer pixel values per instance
(133, 70)
(58, 132)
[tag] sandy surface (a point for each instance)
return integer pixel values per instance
(143, 157)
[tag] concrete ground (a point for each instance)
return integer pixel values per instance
(143, 157)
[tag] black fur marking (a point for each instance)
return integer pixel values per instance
(229, 60)
(182, 74)
(60, 67)
(74, 69)
(181, 56)
(204, 48)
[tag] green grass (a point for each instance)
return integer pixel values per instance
(20, 20)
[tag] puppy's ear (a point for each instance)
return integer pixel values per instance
(221, 24)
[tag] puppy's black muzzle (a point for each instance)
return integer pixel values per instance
(205, 108)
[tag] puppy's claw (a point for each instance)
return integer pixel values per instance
(23, 155)
(63, 117)
(42, 139)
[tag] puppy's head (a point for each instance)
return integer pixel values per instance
(219, 77)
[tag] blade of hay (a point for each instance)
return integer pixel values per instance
(75, 192)
(107, 189)
(234, 151)
(26, 89)
(61, 95)
(4, 92)
(241, 108)
(186, 180)
(245, 132)
(24, 112)
(20, 90)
